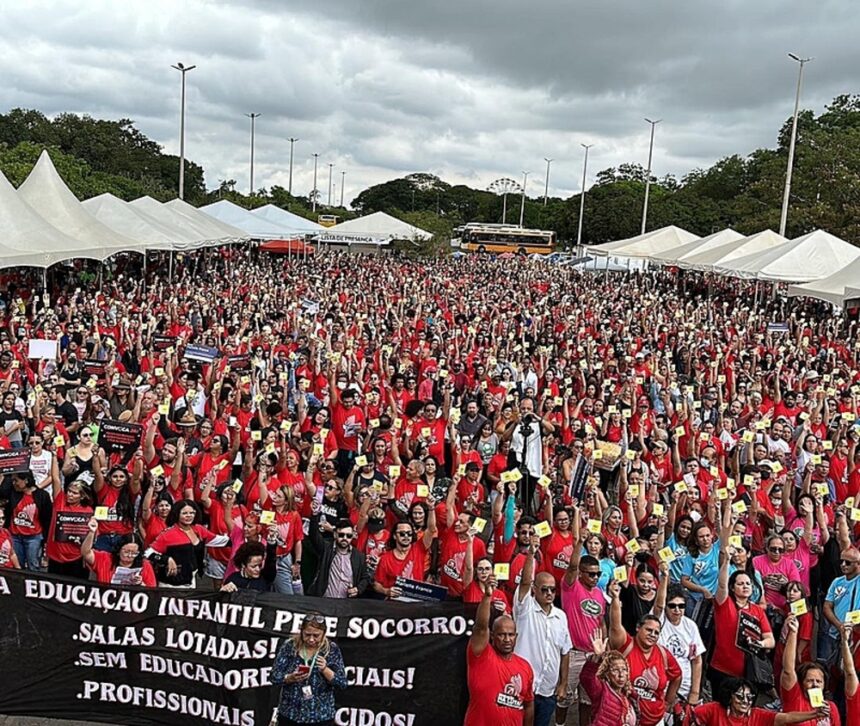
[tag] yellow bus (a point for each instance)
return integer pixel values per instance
(478, 237)
(327, 220)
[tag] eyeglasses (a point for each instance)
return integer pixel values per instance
(744, 696)
(676, 605)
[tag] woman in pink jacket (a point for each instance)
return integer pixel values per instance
(606, 679)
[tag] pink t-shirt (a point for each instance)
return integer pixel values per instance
(237, 539)
(769, 572)
(585, 610)
(802, 559)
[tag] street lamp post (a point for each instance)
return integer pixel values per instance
(329, 183)
(183, 69)
(253, 117)
(523, 198)
(582, 195)
(342, 183)
(314, 192)
(546, 185)
(648, 173)
(290, 187)
(784, 216)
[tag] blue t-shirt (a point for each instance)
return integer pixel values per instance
(704, 570)
(845, 596)
(676, 567)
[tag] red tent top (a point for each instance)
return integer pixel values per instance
(284, 246)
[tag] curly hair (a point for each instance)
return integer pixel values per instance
(612, 657)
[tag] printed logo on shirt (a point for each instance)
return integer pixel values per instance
(510, 697)
(454, 566)
(408, 571)
(646, 684)
(700, 567)
(562, 559)
(590, 608)
(25, 516)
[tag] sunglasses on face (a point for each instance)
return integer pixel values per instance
(744, 696)
(676, 606)
(776, 550)
(848, 563)
(591, 574)
(547, 589)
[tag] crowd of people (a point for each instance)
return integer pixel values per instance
(646, 482)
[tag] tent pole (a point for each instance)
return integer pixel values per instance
(44, 279)
(170, 267)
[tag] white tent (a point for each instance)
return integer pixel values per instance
(380, 226)
(676, 254)
(710, 259)
(813, 256)
(645, 245)
(197, 235)
(287, 220)
(224, 233)
(836, 289)
(123, 217)
(46, 192)
(27, 239)
(252, 225)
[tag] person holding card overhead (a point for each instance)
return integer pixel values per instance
(543, 636)
(124, 566)
(452, 552)
(803, 687)
(734, 707)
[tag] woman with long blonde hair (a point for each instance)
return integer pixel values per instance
(308, 667)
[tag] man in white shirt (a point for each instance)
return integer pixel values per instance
(543, 636)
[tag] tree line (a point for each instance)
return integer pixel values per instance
(739, 191)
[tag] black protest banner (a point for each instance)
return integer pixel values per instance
(119, 437)
(14, 461)
(95, 368)
(71, 527)
(163, 342)
(241, 362)
(127, 655)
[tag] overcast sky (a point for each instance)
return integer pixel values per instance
(470, 90)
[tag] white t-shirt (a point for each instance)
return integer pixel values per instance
(40, 466)
(684, 642)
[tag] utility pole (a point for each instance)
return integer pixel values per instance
(783, 219)
(342, 183)
(582, 195)
(290, 187)
(183, 70)
(648, 174)
(523, 198)
(329, 183)
(253, 117)
(314, 193)
(546, 186)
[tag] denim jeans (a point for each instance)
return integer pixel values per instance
(28, 549)
(284, 582)
(544, 710)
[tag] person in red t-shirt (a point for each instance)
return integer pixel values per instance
(654, 672)
(124, 566)
(72, 508)
(734, 707)
(405, 556)
(501, 683)
(452, 554)
(798, 684)
(852, 692)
